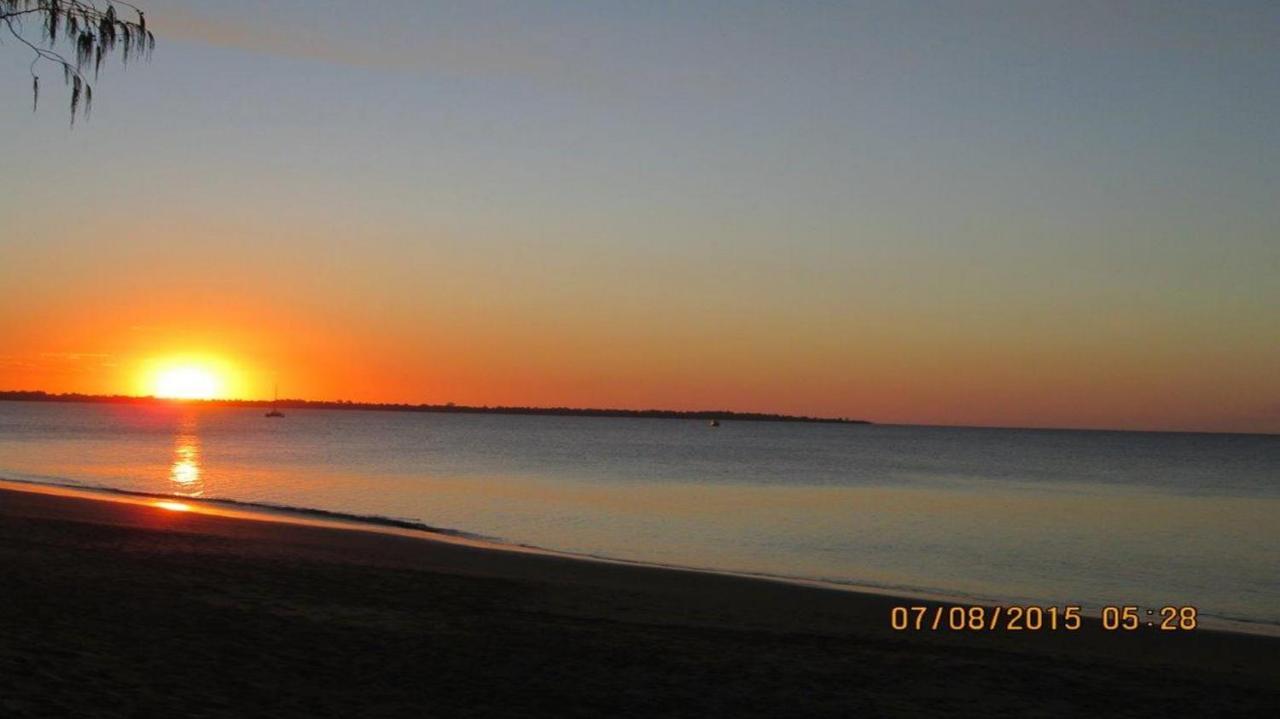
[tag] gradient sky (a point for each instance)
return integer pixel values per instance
(999, 213)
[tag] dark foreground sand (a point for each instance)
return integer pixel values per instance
(114, 609)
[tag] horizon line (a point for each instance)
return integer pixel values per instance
(563, 410)
(445, 407)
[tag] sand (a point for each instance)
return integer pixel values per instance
(123, 609)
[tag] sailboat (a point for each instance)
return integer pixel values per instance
(275, 411)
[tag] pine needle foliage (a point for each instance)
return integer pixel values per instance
(75, 36)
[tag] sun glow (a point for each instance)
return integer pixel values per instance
(187, 383)
(190, 376)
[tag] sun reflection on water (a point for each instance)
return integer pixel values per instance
(184, 473)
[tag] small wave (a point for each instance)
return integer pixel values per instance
(1222, 622)
(264, 507)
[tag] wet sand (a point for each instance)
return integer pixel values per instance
(121, 609)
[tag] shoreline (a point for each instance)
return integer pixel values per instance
(108, 601)
(38, 396)
(252, 511)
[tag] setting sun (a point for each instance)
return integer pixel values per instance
(187, 382)
(196, 374)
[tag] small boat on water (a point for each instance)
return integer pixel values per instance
(275, 411)
(713, 423)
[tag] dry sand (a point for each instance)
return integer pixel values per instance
(123, 609)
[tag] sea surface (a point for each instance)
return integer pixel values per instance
(994, 515)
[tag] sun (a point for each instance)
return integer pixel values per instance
(187, 382)
(189, 376)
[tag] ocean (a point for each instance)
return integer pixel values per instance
(1050, 517)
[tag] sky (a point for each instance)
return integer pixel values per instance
(1045, 214)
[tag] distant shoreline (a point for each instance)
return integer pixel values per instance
(449, 408)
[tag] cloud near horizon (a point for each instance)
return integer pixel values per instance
(508, 53)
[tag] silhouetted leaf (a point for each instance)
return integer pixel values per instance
(91, 29)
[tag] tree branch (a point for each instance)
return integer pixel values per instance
(92, 28)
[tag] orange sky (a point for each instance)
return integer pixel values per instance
(107, 337)
(1068, 223)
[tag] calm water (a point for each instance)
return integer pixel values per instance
(1003, 515)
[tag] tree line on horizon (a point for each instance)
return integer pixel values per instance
(448, 407)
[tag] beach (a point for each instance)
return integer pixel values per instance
(114, 608)
(636, 359)
(957, 514)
